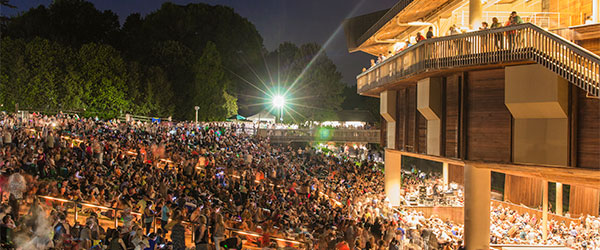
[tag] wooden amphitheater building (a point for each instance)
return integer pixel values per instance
(522, 100)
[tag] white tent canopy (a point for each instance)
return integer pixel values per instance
(262, 116)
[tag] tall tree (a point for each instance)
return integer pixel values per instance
(70, 22)
(33, 73)
(189, 28)
(210, 85)
(103, 76)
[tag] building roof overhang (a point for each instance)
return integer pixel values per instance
(383, 26)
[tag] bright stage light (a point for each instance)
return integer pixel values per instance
(278, 101)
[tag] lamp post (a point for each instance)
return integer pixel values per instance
(279, 102)
(196, 108)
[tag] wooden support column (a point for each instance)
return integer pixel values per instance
(474, 14)
(545, 211)
(429, 104)
(445, 173)
(387, 109)
(559, 198)
(477, 208)
(393, 176)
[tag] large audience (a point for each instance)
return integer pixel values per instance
(164, 177)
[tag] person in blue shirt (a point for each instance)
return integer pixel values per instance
(164, 215)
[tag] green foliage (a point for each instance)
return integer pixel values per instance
(72, 56)
(210, 86)
(175, 36)
(46, 76)
(31, 73)
(69, 22)
(103, 80)
(231, 107)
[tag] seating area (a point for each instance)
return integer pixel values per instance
(71, 183)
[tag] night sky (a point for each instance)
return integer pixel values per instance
(297, 21)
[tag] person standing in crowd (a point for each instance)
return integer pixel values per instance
(178, 232)
(218, 230)
(164, 215)
(201, 234)
(148, 217)
(116, 242)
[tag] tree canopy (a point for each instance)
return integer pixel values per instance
(72, 56)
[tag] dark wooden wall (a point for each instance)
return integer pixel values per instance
(477, 125)
(456, 173)
(400, 119)
(408, 118)
(588, 131)
(422, 133)
(451, 118)
(412, 139)
(488, 121)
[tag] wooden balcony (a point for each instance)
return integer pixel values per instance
(517, 44)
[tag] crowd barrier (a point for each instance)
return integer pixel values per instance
(109, 217)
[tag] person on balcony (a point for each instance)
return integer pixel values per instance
(513, 35)
(484, 39)
(429, 34)
(419, 37)
(498, 37)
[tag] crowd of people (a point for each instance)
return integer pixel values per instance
(499, 39)
(510, 227)
(215, 178)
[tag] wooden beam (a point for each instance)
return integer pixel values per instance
(573, 120)
(429, 157)
(462, 116)
(405, 121)
(443, 119)
(566, 175)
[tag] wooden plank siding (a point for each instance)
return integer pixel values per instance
(584, 200)
(488, 125)
(588, 132)
(514, 187)
(451, 117)
(422, 132)
(412, 112)
(456, 173)
(482, 129)
(400, 119)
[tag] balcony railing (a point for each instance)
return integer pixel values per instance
(321, 134)
(516, 43)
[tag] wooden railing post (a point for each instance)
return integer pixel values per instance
(76, 212)
(116, 218)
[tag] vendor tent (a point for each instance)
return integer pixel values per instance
(236, 118)
(262, 116)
